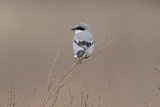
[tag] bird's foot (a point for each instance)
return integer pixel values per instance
(80, 60)
(86, 57)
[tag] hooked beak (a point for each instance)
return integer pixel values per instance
(73, 29)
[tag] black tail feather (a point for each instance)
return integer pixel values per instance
(80, 53)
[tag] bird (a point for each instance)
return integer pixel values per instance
(83, 41)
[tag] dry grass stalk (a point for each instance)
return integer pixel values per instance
(32, 99)
(0, 103)
(103, 43)
(99, 98)
(154, 91)
(107, 93)
(50, 79)
(54, 102)
(70, 96)
(99, 51)
(53, 89)
(87, 96)
(81, 97)
(12, 100)
(144, 101)
(157, 68)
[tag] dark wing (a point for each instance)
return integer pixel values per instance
(84, 44)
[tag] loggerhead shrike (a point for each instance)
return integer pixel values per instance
(83, 41)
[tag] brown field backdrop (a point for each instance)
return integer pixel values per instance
(31, 33)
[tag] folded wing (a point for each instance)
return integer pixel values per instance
(84, 44)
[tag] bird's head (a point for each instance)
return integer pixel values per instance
(81, 27)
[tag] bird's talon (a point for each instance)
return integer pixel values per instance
(86, 57)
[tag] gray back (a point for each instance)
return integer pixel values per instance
(86, 35)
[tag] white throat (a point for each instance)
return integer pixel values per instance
(78, 31)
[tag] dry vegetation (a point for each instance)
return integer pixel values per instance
(55, 84)
(155, 89)
(12, 99)
(53, 87)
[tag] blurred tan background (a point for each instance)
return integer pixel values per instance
(31, 32)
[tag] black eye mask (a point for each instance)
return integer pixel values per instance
(78, 28)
